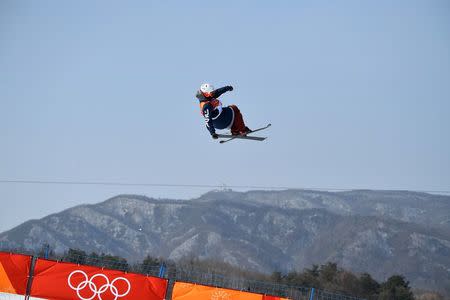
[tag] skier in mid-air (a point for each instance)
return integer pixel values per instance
(218, 116)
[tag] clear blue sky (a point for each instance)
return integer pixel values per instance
(358, 93)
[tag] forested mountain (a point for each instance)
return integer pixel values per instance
(380, 233)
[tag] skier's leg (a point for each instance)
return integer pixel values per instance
(238, 126)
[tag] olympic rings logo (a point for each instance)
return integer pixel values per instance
(97, 292)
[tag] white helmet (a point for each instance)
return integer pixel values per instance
(206, 88)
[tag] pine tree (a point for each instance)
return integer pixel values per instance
(396, 288)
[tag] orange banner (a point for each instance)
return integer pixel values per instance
(190, 291)
(14, 270)
(57, 280)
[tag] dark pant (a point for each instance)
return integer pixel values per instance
(238, 123)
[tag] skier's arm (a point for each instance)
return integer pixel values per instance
(207, 113)
(216, 93)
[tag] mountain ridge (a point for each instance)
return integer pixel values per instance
(264, 231)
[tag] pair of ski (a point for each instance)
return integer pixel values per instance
(229, 137)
